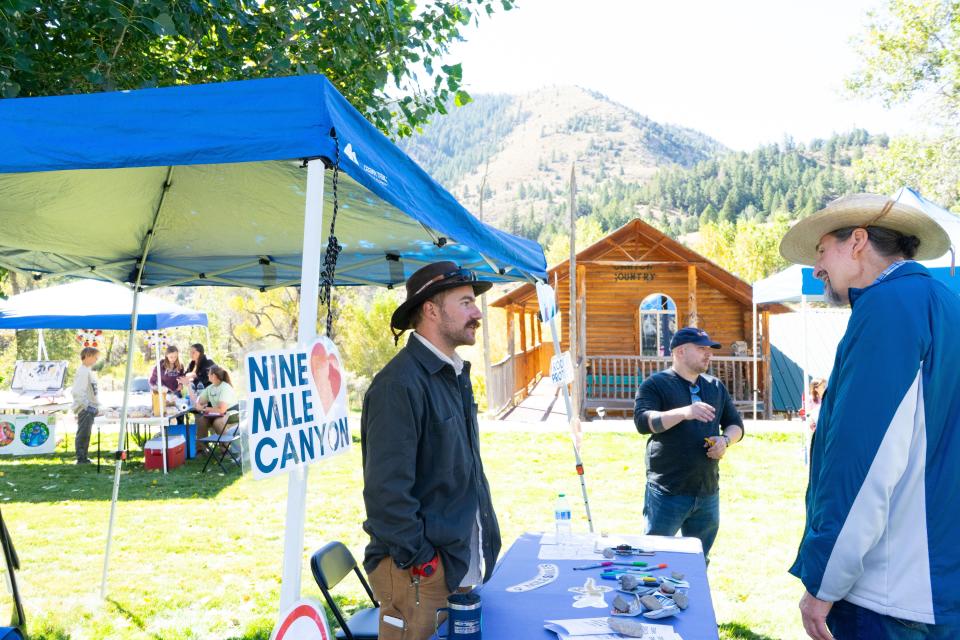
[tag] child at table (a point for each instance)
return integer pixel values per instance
(86, 403)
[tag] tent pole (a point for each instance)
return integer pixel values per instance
(128, 375)
(573, 320)
(756, 385)
(41, 346)
(307, 332)
(161, 397)
(804, 400)
(485, 326)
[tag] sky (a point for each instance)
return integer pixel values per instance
(746, 72)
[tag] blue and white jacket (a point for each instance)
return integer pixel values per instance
(883, 501)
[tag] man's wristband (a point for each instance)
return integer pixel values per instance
(426, 569)
(726, 438)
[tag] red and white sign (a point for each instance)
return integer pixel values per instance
(303, 621)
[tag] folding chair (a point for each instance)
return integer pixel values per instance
(330, 564)
(223, 442)
(18, 622)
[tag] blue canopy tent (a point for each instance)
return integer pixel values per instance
(90, 304)
(797, 284)
(214, 176)
(225, 184)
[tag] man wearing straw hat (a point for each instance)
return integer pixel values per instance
(879, 556)
(430, 517)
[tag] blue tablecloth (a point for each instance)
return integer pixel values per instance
(513, 616)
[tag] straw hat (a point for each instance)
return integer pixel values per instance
(799, 245)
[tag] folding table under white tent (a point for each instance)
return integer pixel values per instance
(796, 284)
(224, 185)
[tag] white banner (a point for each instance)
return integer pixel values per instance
(547, 300)
(561, 369)
(27, 435)
(297, 407)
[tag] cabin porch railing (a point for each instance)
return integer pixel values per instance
(613, 380)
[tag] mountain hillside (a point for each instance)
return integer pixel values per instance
(627, 166)
(530, 141)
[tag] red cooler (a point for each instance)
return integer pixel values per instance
(153, 452)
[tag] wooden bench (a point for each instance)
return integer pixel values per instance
(613, 393)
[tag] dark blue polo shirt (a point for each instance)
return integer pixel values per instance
(677, 461)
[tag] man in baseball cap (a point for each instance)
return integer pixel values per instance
(691, 420)
(878, 556)
(430, 516)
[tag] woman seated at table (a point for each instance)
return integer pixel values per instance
(214, 401)
(171, 371)
(198, 371)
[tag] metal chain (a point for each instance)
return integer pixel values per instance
(333, 247)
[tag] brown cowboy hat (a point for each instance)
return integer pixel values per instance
(799, 245)
(430, 280)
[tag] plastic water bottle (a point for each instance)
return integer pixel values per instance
(562, 516)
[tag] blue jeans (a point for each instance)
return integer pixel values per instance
(693, 516)
(848, 621)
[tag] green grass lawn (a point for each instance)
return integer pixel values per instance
(199, 555)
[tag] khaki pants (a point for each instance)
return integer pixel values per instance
(205, 424)
(400, 617)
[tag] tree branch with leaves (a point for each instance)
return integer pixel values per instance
(385, 56)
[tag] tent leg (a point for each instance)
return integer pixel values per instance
(128, 376)
(162, 397)
(805, 386)
(307, 332)
(756, 383)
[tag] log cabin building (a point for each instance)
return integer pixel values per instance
(634, 289)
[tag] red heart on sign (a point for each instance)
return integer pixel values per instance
(325, 368)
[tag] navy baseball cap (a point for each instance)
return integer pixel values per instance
(692, 335)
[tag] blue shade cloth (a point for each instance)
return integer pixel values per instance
(220, 168)
(508, 616)
(89, 304)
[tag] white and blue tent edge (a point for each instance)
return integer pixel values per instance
(209, 185)
(797, 284)
(92, 304)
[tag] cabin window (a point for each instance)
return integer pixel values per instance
(658, 323)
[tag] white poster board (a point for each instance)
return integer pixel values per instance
(27, 435)
(39, 376)
(297, 407)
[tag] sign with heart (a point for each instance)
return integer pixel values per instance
(298, 407)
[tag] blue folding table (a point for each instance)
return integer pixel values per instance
(508, 616)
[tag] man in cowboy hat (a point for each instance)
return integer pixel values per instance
(879, 555)
(430, 517)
